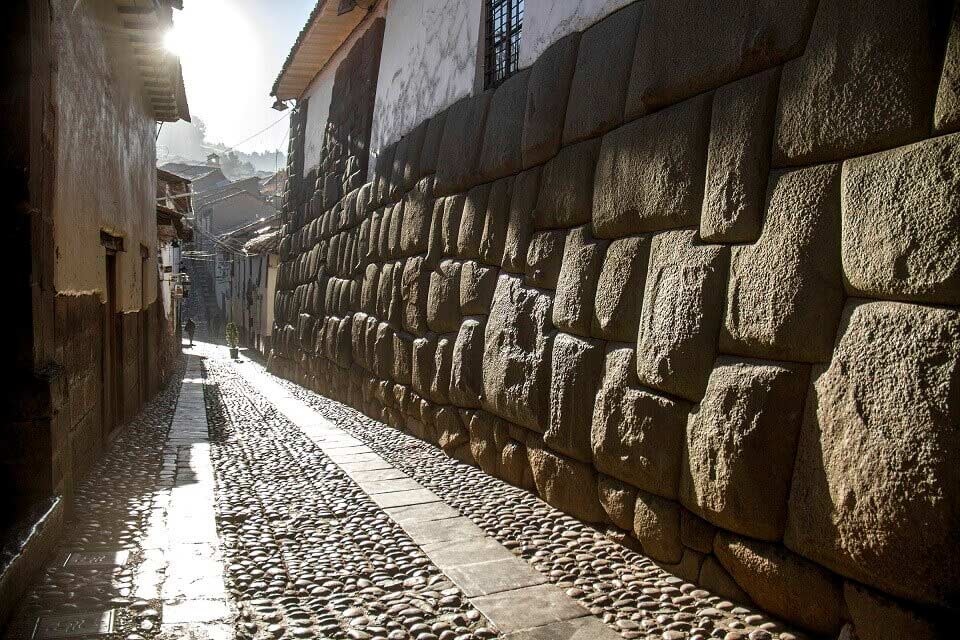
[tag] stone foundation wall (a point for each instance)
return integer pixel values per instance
(703, 296)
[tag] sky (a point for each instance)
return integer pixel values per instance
(231, 52)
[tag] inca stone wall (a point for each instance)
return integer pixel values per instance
(703, 296)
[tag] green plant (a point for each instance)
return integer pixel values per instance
(233, 335)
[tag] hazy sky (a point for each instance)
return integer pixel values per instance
(231, 52)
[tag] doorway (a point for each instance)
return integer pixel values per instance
(112, 342)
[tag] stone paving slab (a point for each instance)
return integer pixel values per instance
(506, 589)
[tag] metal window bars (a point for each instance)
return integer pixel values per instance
(504, 24)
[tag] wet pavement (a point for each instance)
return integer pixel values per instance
(240, 505)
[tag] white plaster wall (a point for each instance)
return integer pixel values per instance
(546, 21)
(429, 61)
(105, 158)
(320, 92)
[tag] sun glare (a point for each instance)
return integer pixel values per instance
(173, 42)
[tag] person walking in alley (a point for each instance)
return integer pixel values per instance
(190, 327)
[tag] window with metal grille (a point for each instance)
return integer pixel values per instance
(504, 24)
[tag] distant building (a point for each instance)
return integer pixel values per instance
(251, 281)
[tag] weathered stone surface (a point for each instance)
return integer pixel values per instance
(599, 86)
(442, 366)
(901, 224)
(783, 583)
(476, 288)
(504, 128)
(881, 422)
(443, 299)
(402, 357)
(517, 352)
(575, 374)
(547, 91)
(451, 433)
(520, 224)
(577, 283)
(716, 579)
(656, 523)
(494, 235)
(466, 381)
(515, 465)
(565, 483)
(417, 214)
(414, 290)
(397, 183)
(637, 434)
(566, 187)
(383, 173)
(471, 222)
(618, 500)
(671, 62)
(877, 617)
(738, 158)
(483, 427)
(423, 365)
(785, 293)
(383, 351)
(650, 173)
(946, 115)
(545, 257)
(681, 315)
(435, 241)
(410, 171)
(616, 312)
(696, 533)
(450, 230)
(866, 81)
(741, 445)
(431, 144)
(460, 146)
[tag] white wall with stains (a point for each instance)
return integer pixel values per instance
(546, 21)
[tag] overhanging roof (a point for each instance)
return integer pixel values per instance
(330, 23)
(144, 22)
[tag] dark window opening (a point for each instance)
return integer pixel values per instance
(504, 24)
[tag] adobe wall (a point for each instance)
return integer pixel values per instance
(703, 296)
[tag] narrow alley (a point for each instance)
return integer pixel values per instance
(242, 505)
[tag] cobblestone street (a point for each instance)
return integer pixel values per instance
(239, 505)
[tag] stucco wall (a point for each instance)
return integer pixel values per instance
(105, 161)
(708, 299)
(546, 21)
(429, 62)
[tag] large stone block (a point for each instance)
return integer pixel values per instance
(432, 139)
(516, 360)
(577, 283)
(741, 444)
(472, 219)
(383, 172)
(866, 81)
(599, 86)
(901, 223)
(494, 235)
(443, 298)
(616, 312)
(715, 578)
(483, 446)
(637, 434)
(435, 241)
(738, 158)
(476, 288)
(545, 257)
(576, 369)
(466, 379)
(450, 229)
(460, 146)
(671, 62)
(650, 173)
(547, 90)
(417, 214)
(566, 187)
(946, 115)
(414, 290)
(520, 224)
(504, 129)
(876, 491)
(618, 500)
(566, 484)
(408, 172)
(682, 313)
(442, 366)
(785, 293)
(656, 523)
(451, 433)
(783, 583)
(423, 365)
(877, 617)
